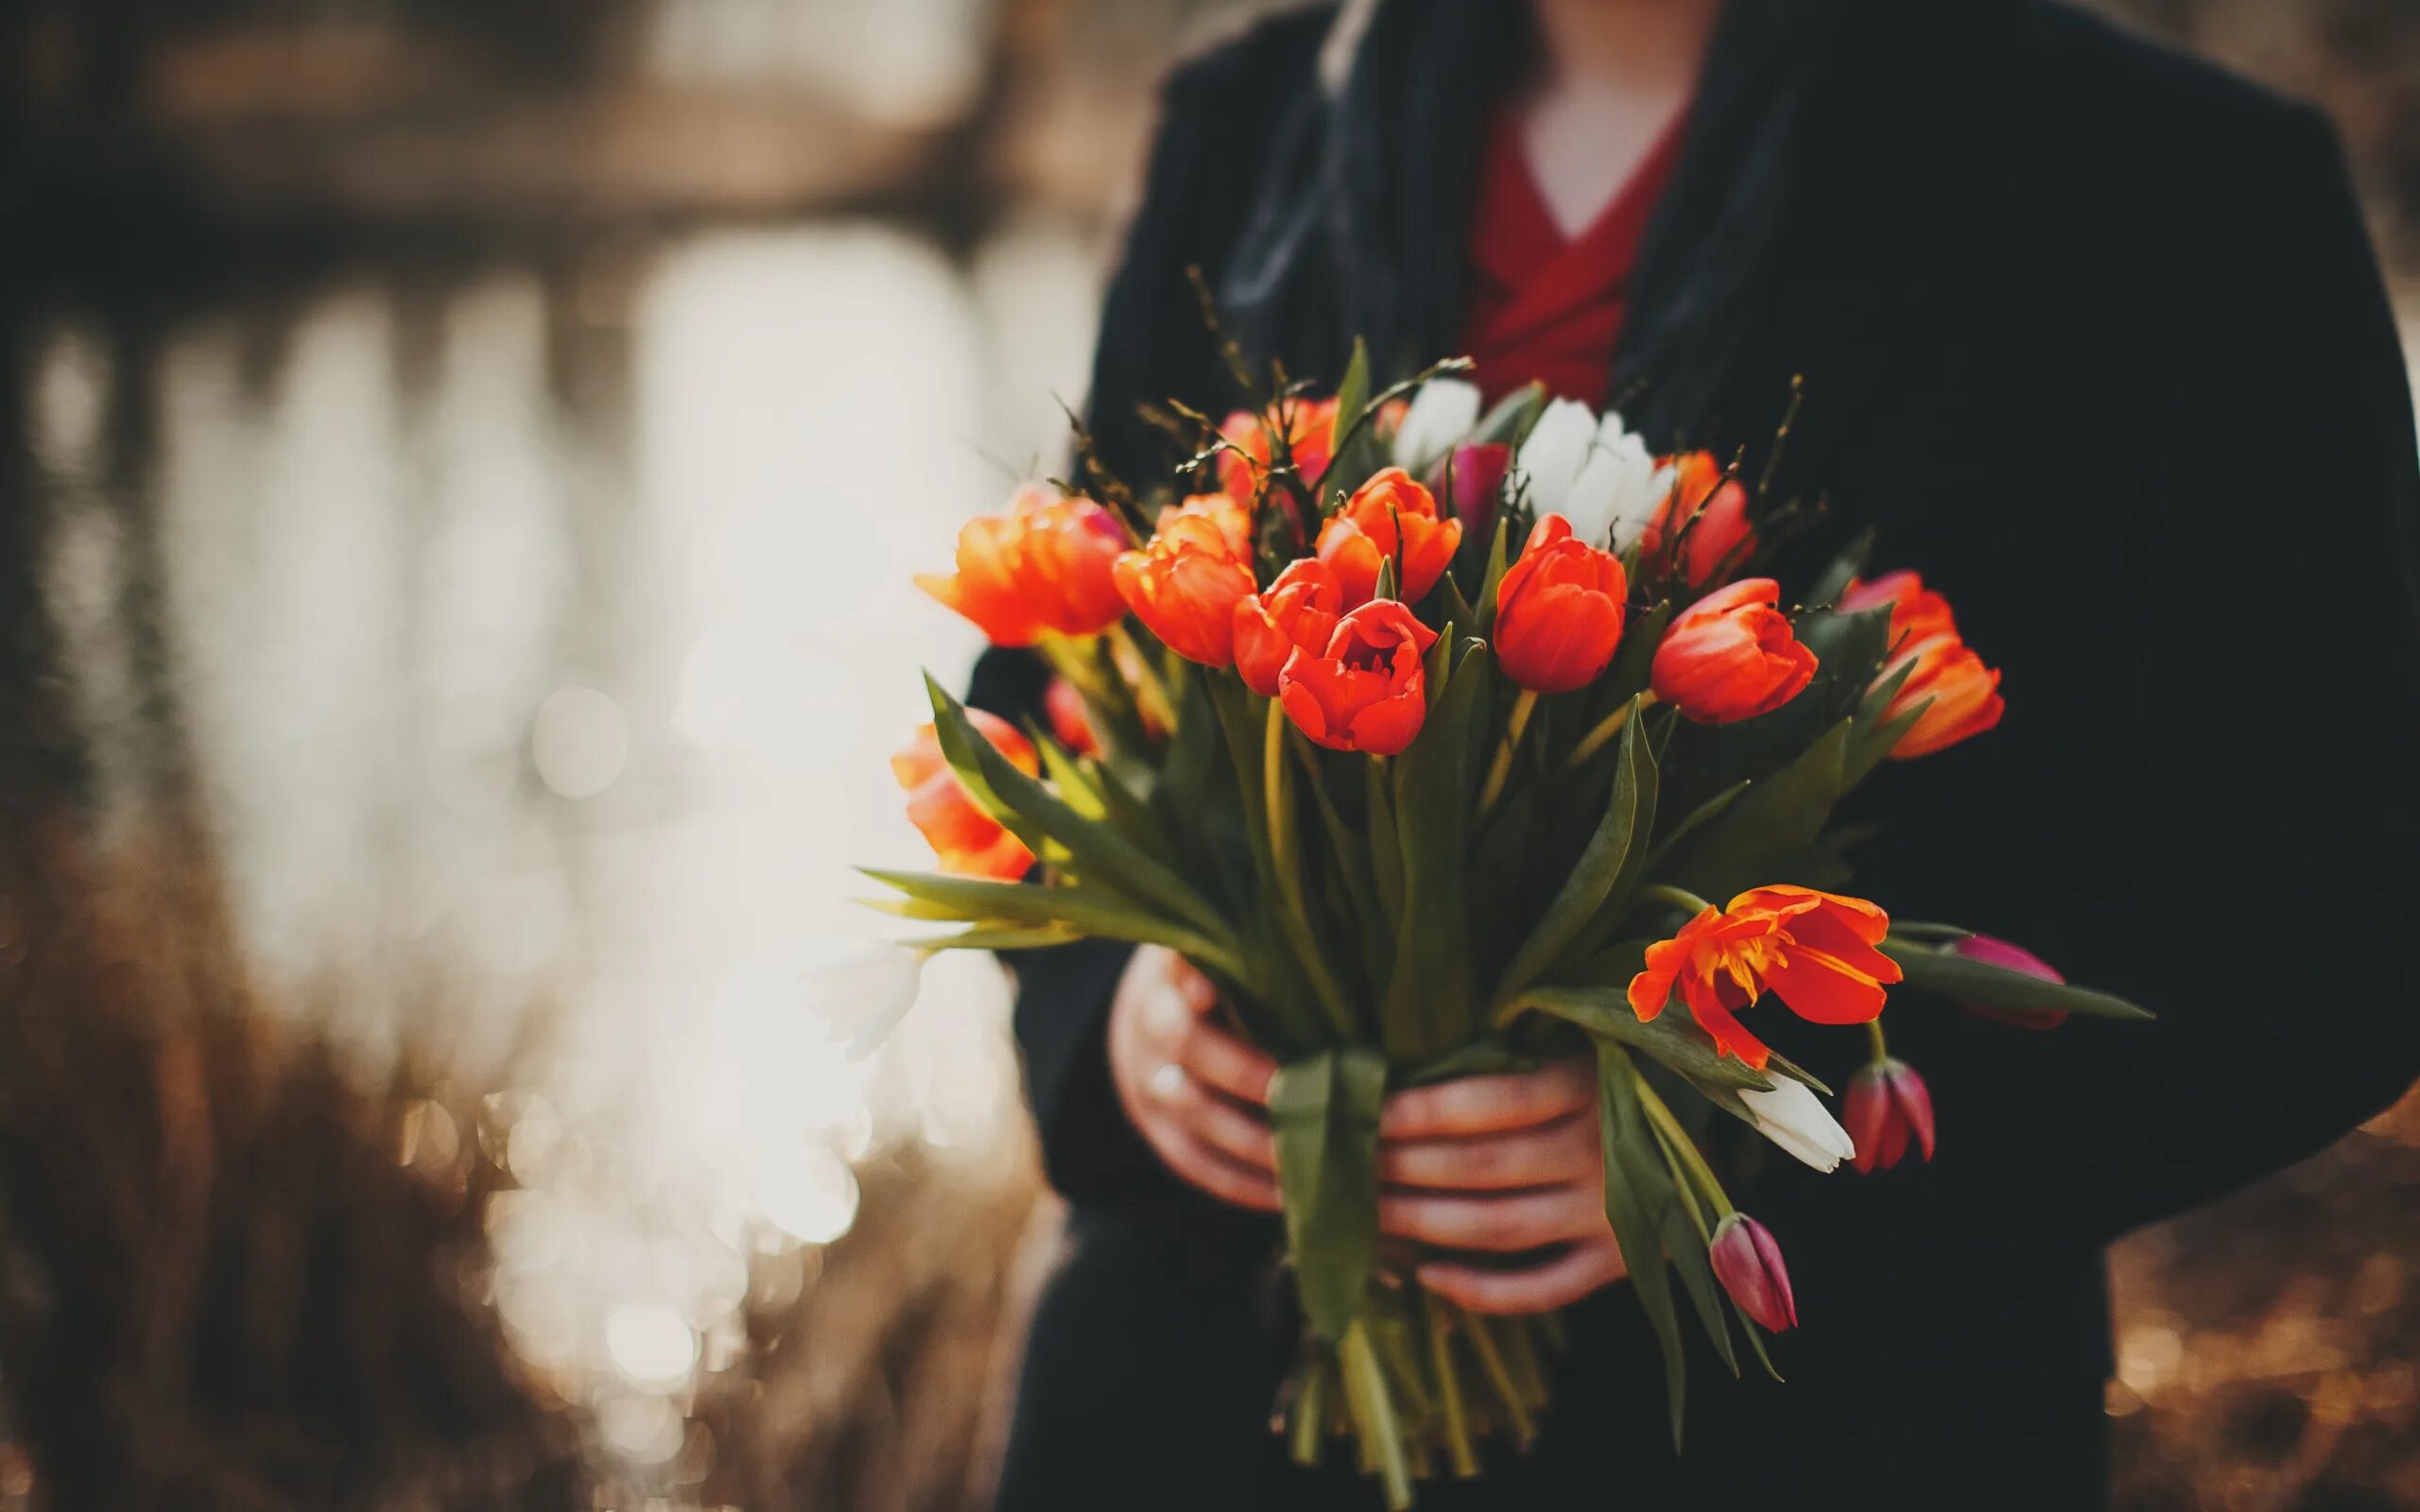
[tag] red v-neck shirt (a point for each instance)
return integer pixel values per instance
(1539, 304)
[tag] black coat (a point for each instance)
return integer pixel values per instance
(2093, 335)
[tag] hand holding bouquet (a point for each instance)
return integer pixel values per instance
(1447, 744)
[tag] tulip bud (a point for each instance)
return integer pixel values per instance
(1748, 1264)
(967, 841)
(1367, 689)
(1794, 1118)
(862, 994)
(1185, 585)
(1550, 459)
(1701, 521)
(1559, 612)
(1071, 723)
(1888, 1107)
(1389, 518)
(2009, 957)
(1472, 479)
(1732, 656)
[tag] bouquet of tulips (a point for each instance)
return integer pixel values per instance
(1445, 743)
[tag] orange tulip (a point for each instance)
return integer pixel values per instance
(1732, 656)
(968, 841)
(1299, 610)
(1042, 566)
(1070, 721)
(1703, 522)
(1559, 610)
(1233, 519)
(1363, 535)
(1185, 585)
(1367, 689)
(1964, 692)
(1308, 426)
(1813, 949)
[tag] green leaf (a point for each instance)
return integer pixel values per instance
(1324, 1111)
(1604, 1014)
(1098, 854)
(1686, 1241)
(1769, 824)
(1493, 584)
(998, 937)
(1352, 396)
(1634, 658)
(1630, 810)
(1512, 417)
(1960, 980)
(1386, 845)
(1704, 814)
(1634, 1203)
(1844, 568)
(1086, 909)
(1427, 1006)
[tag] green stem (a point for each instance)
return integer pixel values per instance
(1374, 1414)
(1680, 897)
(1455, 1421)
(1874, 1033)
(1515, 726)
(1607, 728)
(1310, 1409)
(1150, 694)
(1499, 1375)
(1278, 799)
(1685, 1151)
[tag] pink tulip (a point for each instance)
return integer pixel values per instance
(2009, 957)
(1472, 476)
(1748, 1264)
(1888, 1107)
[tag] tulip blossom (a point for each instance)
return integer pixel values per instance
(966, 839)
(1308, 426)
(1185, 585)
(1441, 414)
(1389, 518)
(1595, 473)
(863, 995)
(1471, 479)
(2009, 957)
(1794, 1118)
(1732, 656)
(1748, 1264)
(1813, 949)
(1233, 519)
(1702, 520)
(1889, 1109)
(1559, 610)
(1367, 689)
(1071, 723)
(1298, 612)
(1041, 567)
(1961, 695)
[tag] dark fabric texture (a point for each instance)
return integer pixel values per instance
(2093, 338)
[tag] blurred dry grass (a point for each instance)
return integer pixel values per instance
(221, 1286)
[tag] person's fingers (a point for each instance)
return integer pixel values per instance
(1194, 1159)
(1524, 1220)
(1558, 1282)
(1174, 1032)
(1489, 1105)
(1199, 992)
(1547, 1155)
(1213, 1118)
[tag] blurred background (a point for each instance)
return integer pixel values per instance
(439, 720)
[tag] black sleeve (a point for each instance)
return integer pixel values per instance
(2265, 897)
(1154, 345)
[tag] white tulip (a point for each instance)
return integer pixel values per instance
(1441, 414)
(1552, 456)
(1793, 1117)
(1641, 485)
(863, 993)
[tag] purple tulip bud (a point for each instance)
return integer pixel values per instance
(1748, 1264)
(2009, 957)
(1887, 1109)
(1472, 476)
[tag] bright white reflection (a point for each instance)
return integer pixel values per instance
(650, 1346)
(579, 742)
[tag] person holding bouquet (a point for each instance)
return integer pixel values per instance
(2093, 331)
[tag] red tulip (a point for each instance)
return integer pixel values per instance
(1297, 611)
(967, 841)
(1368, 689)
(1233, 519)
(1703, 522)
(1070, 721)
(1917, 613)
(1888, 1107)
(1559, 610)
(1732, 656)
(1041, 567)
(1309, 428)
(1815, 950)
(1185, 585)
(1748, 1264)
(1389, 518)
(2001, 953)
(1959, 695)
